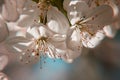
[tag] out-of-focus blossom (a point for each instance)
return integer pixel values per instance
(3, 30)
(3, 63)
(3, 76)
(11, 9)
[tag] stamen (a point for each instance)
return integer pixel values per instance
(82, 26)
(40, 48)
(43, 5)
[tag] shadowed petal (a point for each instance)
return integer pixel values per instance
(3, 62)
(102, 15)
(3, 30)
(9, 10)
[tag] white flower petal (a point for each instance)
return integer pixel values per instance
(110, 31)
(75, 9)
(70, 55)
(29, 15)
(34, 32)
(102, 15)
(92, 41)
(73, 41)
(67, 60)
(15, 40)
(58, 38)
(57, 22)
(42, 31)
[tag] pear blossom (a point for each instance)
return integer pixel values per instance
(87, 23)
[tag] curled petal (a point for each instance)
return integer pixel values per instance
(114, 7)
(110, 31)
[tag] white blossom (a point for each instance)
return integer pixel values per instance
(38, 41)
(88, 23)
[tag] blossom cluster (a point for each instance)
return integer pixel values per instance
(56, 28)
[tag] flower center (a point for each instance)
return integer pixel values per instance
(41, 46)
(88, 30)
(83, 26)
(38, 48)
